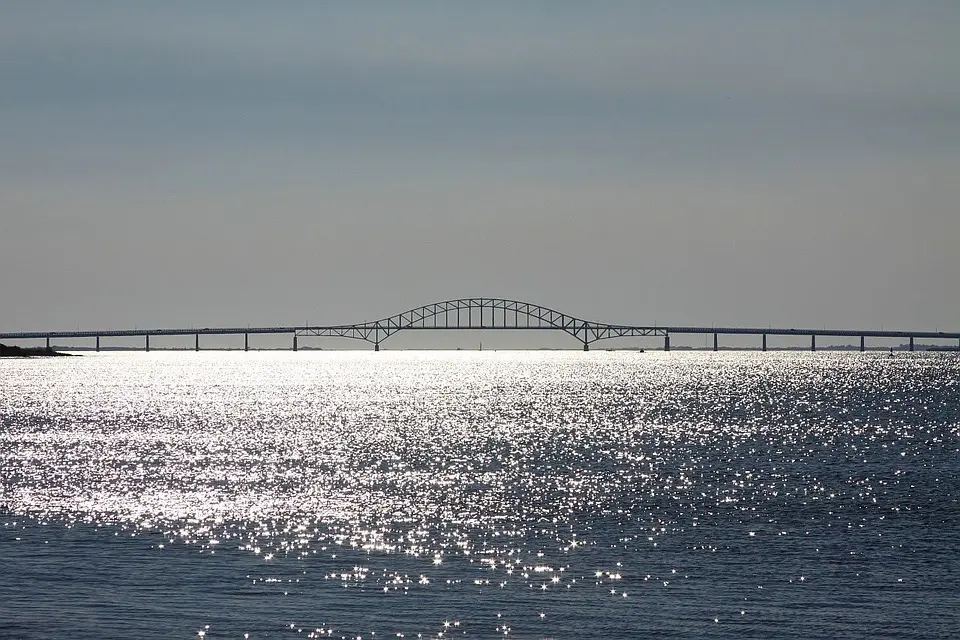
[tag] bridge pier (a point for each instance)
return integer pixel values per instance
(813, 342)
(196, 342)
(294, 342)
(716, 347)
(246, 342)
(911, 343)
(98, 344)
(48, 342)
(863, 344)
(666, 342)
(763, 343)
(146, 342)
(376, 346)
(586, 346)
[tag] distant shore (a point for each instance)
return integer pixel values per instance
(9, 351)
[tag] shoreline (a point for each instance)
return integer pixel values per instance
(8, 351)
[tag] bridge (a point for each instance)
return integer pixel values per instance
(487, 314)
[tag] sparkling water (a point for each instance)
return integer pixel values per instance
(466, 494)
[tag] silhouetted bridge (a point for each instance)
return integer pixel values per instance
(487, 314)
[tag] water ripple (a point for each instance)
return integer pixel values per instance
(532, 494)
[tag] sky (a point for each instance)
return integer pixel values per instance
(755, 163)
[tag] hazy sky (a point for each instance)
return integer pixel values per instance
(224, 163)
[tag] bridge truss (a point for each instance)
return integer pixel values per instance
(485, 314)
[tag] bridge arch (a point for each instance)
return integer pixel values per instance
(481, 313)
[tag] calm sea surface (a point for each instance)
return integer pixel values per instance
(455, 494)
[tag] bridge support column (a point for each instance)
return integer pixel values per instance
(196, 342)
(146, 342)
(98, 344)
(586, 346)
(376, 346)
(911, 343)
(294, 342)
(763, 343)
(48, 342)
(666, 343)
(863, 344)
(246, 342)
(716, 346)
(813, 342)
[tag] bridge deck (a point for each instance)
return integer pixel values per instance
(319, 329)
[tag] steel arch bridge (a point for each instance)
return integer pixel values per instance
(486, 314)
(482, 313)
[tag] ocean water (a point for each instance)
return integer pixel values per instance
(478, 495)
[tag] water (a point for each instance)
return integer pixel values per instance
(439, 494)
